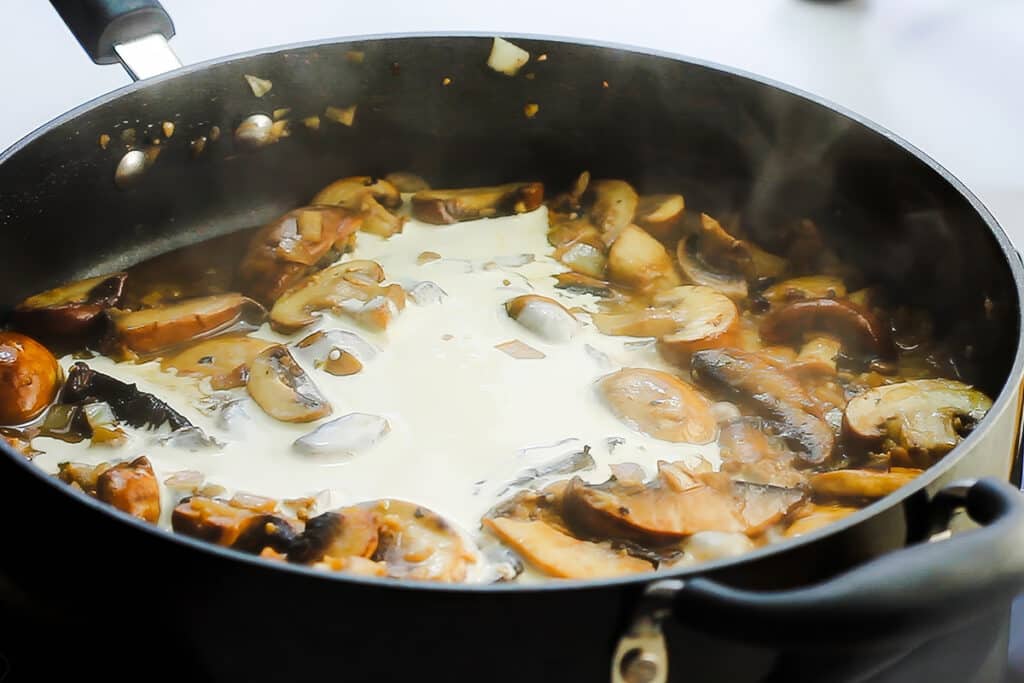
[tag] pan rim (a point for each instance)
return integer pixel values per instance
(925, 480)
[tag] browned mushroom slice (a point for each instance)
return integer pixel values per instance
(211, 520)
(560, 555)
(854, 325)
(69, 313)
(566, 232)
(724, 252)
(442, 207)
(660, 513)
(812, 517)
(772, 392)
(583, 284)
(225, 360)
(920, 415)
(417, 543)
(350, 192)
(131, 487)
(638, 260)
(545, 317)
(612, 206)
(807, 287)
(659, 405)
(371, 197)
(288, 249)
(349, 288)
(660, 214)
(571, 201)
(760, 505)
(150, 331)
(732, 284)
(407, 182)
(83, 475)
(350, 532)
(861, 483)
(283, 390)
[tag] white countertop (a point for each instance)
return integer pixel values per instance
(945, 74)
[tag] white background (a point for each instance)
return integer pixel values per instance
(948, 75)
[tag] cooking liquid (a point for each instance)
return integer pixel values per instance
(466, 419)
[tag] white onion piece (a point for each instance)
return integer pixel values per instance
(233, 416)
(190, 439)
(506, 57)
(426, 293)
(514, 260)
(344, 436)
(705, 546)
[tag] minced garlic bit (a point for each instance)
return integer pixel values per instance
(355, 56)
(104, 141)
(427, 257)
(214, 133)
(281, 113)
(259, 86)
(519, 350)
(543, 57)
(346, 116)
(168, 128)
(312, 122)
(604, 84)
(446, 81)
(506, 57)
(531, 109)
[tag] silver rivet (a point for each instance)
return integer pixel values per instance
(130, 168)
(639, 666)
(255, 131)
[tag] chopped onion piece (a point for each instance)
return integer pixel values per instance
(506, 57)
(427, 292)
(346, 116)
(344, 436)
(190, 438)
(519, 350)
(259, 86)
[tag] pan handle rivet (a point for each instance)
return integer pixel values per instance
(639, 666)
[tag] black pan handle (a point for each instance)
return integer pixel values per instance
(910, 593)
(99, 25)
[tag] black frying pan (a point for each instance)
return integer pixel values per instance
(845, 603)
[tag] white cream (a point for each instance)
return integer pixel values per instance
(465, 419)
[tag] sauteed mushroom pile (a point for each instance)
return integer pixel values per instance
(771, 389)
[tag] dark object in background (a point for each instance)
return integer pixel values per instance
(727, 142)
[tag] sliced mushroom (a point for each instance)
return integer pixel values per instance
(920, 415)
(407, 182)
(71, 313)
(638, 260)
(349, 193)
(560, 555)
(659, 405)
(417, 543)
(151, 331)
(349, 532)
(371, 197)
(813, 517)
(225, 360)
(212, 520)
(861, 483)
(283, 390)
(660, 513)
(660, 214)
(724, 252)
(82, 475)
(583, 284)
(265, 531)
(732, 284)
(545, 317)
(855, 326)
(754, 380)
(442, 207)
(612, 206)
(29, 378)
(345, 436)
(807, 287)
(338, 352)
(131, 487)
(137, 408)
(290, 248)
(350, 288)
(586, 256)
(818, 356)
(565, 232)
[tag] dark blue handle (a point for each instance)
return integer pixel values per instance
(923, 589)
(100, 24)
